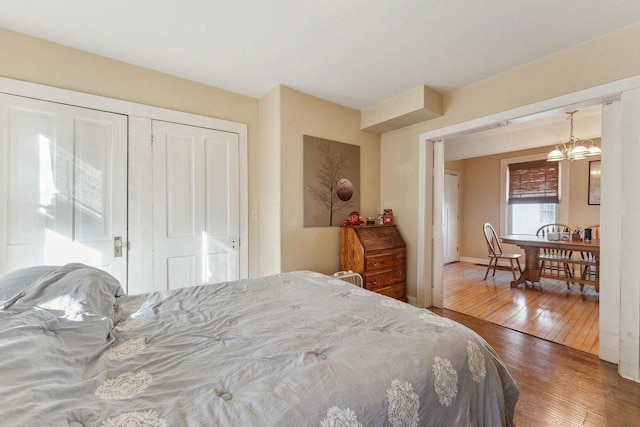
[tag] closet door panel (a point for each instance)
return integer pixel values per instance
(29, 145)
(93, 176)
(180, 180)
(64, 185)
(195, 206)
(222, 208)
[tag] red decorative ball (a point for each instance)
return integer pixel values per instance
(344, 189)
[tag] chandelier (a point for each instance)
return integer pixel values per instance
(573, 149)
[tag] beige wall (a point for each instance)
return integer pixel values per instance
(609, 58)
(455, 165)
(480, 198)
(270, 174)
(317, 248)
(38, 61)
(399, 191)
(480, 195)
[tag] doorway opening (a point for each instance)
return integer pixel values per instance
(558, 311)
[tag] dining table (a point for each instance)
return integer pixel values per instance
(532, 246)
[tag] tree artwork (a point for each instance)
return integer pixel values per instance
(330, 168)
(329, 173)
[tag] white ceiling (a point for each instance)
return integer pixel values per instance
(353, 52)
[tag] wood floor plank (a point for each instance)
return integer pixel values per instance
(559, 385)
(586, 329)
(566, 316)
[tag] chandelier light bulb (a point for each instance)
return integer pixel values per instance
(555, 155)
(573, 149)
(578, 152)
(594, 150)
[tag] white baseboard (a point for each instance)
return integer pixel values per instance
(483, 261)
(412, 300)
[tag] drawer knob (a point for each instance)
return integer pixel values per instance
(374, 281)
(398, 274)
(374, 263)
(399, 258)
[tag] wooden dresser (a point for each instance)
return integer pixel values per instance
(379, 254)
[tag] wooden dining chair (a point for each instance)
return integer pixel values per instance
(555, 261)
(494, 249)
(588, 270)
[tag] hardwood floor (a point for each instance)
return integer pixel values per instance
(568, 317)
(559, 386)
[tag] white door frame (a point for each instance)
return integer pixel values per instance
(614, 347)
(139, 210)
(457, 175)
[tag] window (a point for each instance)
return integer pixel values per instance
(527, 218)
(534, 182)
(547, 213)
(533, 195)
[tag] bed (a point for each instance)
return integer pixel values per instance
(294, 349)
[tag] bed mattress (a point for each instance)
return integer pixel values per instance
(293, 349)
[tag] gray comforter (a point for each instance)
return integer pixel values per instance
(295, 349)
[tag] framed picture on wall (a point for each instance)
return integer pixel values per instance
(594, 182)
(331, 181)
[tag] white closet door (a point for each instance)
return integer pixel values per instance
(63, 185)
(195, 206)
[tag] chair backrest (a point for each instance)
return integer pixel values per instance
(595, 231)
(552, 228)
(493, 243)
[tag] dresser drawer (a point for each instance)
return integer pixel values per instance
(382, 261)
(383, 278)
(378, 253)
(394, 291)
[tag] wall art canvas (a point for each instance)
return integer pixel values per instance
(331, 181)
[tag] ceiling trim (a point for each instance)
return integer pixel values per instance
(600, 94)
(118, 106)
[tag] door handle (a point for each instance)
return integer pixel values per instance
(117, 246)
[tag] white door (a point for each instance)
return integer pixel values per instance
(450, 218)
(196, 206)
(63, 185)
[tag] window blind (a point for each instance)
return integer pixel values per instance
(534, 182)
